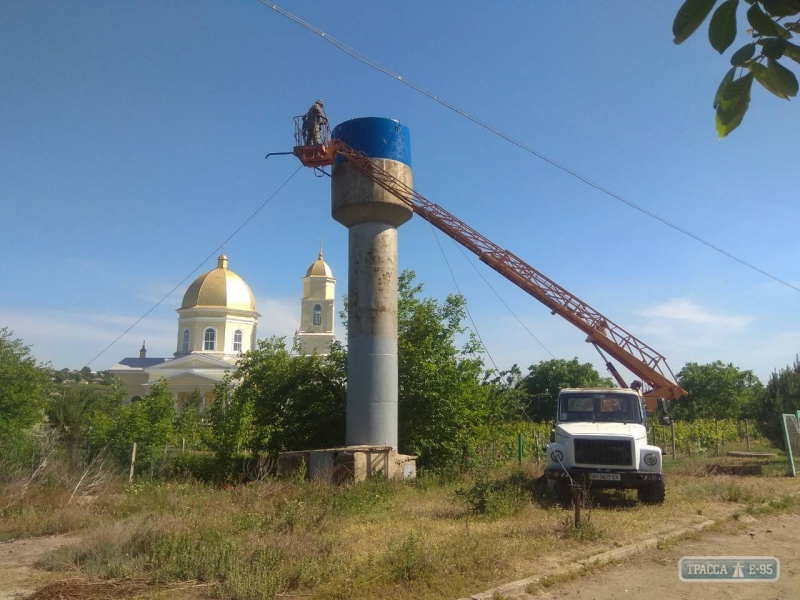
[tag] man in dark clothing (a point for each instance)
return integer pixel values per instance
(314, 119)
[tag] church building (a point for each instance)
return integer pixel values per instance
(218, 321)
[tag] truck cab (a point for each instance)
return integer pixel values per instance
(600, 441)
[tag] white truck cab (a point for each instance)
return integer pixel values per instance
(600, 440)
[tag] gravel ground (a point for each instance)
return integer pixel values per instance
(655, 574)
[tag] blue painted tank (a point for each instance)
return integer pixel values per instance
(376, 137)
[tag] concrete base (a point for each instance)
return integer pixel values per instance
(348, 463)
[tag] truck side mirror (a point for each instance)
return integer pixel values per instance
(663, 417)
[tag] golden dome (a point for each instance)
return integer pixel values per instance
(219, 287)
(319, 268)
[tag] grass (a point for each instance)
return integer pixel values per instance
(44, 510)
(583, 532)
(782, 504)
(441, 537)
(664, 543)
(565, 576)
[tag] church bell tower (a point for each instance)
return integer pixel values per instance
(317, 308)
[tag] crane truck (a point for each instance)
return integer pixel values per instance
(600, 435)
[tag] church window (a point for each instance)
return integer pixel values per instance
(317, 314)
(237, 340)
(210, 339)
(185, 340)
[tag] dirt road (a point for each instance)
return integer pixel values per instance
(18, 578)
(655, 573)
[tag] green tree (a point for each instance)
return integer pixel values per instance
(190, 425)
(715, 390)
(230, 419)
(148, 422)
(771, 25)
(76, 413)
(780, 396)
(510, 399)
(23, 392)
(444, 410)
(544, 380)
(279, 400)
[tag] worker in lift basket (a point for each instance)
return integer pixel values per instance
(312, 121)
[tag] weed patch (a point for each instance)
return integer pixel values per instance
(409, 560)
(774, 506)
(375, 493)
(583, 532)
(495, 497)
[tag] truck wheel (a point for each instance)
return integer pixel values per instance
(652, 494)
(563, 493)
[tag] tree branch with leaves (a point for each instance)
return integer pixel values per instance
(771, 25)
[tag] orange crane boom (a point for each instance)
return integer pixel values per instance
(639, 358)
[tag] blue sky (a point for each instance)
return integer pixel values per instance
(133, 135)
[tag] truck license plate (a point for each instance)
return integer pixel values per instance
(604, 476)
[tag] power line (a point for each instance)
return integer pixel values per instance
(464, 254)
(374, 65)
(466, 308)
(182, 281)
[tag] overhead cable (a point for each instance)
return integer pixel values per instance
(478, 271)
(374, 65)
(466, 308)
(206, 259)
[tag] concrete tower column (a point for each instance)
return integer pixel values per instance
(372, 216)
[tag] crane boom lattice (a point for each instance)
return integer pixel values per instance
(637, 356)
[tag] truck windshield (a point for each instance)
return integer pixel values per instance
(607, 407)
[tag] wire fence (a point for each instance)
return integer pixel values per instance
(704, 435)
(527, 441)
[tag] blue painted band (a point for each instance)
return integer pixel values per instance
(376, 137)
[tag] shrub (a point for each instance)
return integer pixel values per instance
(409, 560)
(211, 468)
(493, 496)
(362, 497)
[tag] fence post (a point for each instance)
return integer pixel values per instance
(747, 432)
(672, 429)
(183, 445)
(788, 441)
(519, 448)
(577, 496)
(133, 462)
(716, 436)
(536, 443)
